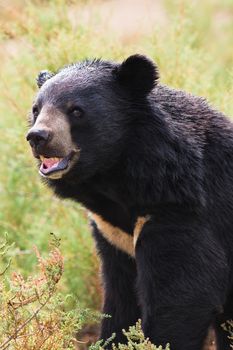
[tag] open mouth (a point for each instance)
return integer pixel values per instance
(55, 167)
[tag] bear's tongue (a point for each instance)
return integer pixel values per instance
(51, 164)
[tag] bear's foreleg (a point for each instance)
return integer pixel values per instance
(182, 274)
(119, 280)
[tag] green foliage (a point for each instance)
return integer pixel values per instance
(228, 327)
(4, 248)
(135, 341)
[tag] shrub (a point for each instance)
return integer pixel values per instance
(33, 312)
(135, 341)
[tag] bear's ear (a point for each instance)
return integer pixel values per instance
(138, 74)
(42, 77)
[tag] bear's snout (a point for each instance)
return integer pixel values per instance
(38, 137)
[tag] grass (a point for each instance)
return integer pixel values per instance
(191, 41)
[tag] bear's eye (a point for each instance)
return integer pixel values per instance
(75, 111)
(35, 112)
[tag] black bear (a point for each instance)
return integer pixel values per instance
(154, 166)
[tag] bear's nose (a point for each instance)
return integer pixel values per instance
(38, 137)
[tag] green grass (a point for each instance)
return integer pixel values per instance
(191, 41)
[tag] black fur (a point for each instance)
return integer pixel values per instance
(149, 149)
(42, 77)
(138, 74)
(120, 300)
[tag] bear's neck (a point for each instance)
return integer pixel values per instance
(103, 194)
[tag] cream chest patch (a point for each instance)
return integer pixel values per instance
(117, 237)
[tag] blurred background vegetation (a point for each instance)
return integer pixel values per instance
(192, 43)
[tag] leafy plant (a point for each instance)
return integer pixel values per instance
(228, 327)
(33, 312)
(135, 341)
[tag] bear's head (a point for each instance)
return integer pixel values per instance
(82, 115)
